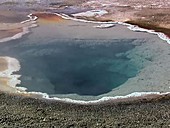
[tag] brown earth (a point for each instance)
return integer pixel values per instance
(9, 33)
(3, 64)
(48, 17)
(151, 14)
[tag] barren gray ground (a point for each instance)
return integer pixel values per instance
(27, 112)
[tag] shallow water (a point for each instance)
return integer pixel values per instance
(75, 58)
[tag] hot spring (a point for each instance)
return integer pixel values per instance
(70, 57)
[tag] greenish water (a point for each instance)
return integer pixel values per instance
(86, 66)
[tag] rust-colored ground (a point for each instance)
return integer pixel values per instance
(48, 18)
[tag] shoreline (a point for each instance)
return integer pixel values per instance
(132, 27)
(7, 75)
(11, 80)
(103, 99)
(25, 25)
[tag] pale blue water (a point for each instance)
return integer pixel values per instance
(67, 66)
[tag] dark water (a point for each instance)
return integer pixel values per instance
(84, 67)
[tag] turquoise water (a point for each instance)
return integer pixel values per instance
(72, 65)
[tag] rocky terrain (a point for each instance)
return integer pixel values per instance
(27, 112)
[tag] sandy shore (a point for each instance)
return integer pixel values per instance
(3, 67)
(14, 24)
(10, 23)
(8, 80)
(3, 64)
(9, 33)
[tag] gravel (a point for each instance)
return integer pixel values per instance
(19, 111)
